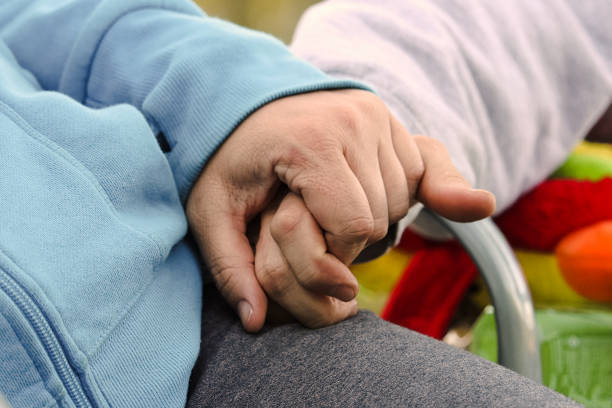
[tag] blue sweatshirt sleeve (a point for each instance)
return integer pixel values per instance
(195, 78)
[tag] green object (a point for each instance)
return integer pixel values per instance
(575, 348)
(585, 167)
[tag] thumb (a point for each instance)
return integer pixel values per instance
(221, 237)
(445, 190)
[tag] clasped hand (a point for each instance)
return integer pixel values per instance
(325, 173)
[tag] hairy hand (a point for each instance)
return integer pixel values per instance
(305, 281)
(355, 168)
(295, 270)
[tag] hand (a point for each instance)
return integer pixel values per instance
(292, 265)
(354, 166)
(325, 146)
(306, 282)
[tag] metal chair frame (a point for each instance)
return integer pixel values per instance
(517, 337)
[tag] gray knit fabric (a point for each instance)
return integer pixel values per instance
(361, 362)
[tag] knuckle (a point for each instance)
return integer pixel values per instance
(379, 230)
(221, 265)
(226, 281)
(301, 162)
(309, 134)
(358, 228)
(313, 276)
(327, 147)
(295, 155)
(371, 104)
(228, 272)
(284, 223)
(273, 279)
(348, 116)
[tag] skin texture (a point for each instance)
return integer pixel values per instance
(350, 170)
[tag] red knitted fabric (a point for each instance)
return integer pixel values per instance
(542, 217)
(430, 289)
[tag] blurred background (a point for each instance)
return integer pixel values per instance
(277, 17)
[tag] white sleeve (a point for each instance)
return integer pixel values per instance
(508, 86)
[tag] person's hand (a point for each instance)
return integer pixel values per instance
(301, 277)
(353, 165)
(295, 270)
(325, 146)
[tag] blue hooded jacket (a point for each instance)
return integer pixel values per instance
(100, 296)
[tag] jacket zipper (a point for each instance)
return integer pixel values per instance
(50, 342)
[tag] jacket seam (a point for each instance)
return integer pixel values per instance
(106, 30)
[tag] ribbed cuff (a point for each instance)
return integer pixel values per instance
(195, 79)
(191, 153)
(74, 79)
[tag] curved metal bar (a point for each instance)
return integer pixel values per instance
(517, 341)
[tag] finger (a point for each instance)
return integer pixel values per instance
(365, 165)
(395, 182)
(302, 245)
(220, 234)
(445, 190)
(409, 156)
(334, 196)
(275, 276)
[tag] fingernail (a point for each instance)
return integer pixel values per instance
(485, 192)
(344, 292)
(245, 311)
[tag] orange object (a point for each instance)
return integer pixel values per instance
(585, 259)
